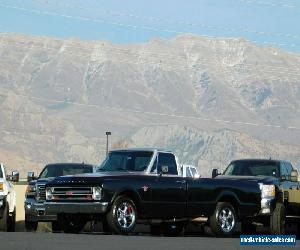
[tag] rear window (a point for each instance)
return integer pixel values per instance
(194, 171)
(253, 168)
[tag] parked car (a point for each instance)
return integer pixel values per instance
(35, 194)
(7, 200)
(189, 171)
(280, 193)
(146, 186)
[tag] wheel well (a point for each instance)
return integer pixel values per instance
(132, 195)
(232, 200)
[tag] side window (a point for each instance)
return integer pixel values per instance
(166, 159)
(289, 169)
(283, 170)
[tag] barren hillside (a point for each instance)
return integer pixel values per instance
(211, 100)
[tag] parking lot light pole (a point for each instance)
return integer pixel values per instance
(107, 134)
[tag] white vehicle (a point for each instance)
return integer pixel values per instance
(7, 200)
(189, 171)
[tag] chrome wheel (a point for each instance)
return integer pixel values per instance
(226, 219)
(126, 215)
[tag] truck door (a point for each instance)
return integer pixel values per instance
(168, 189)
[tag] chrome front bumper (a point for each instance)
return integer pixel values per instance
(76, 207)
(35, 211)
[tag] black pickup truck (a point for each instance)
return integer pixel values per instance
(146, 186)
(280, 197)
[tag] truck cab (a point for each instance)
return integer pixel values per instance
(7, 201)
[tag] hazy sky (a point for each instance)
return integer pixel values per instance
(132, 21)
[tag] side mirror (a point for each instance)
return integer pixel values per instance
(214, 173)
(294, 175)
(30, 176)
(15, 176)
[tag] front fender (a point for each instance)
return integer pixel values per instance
(227, 194)
(127, 191)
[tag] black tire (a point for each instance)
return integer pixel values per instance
(71, 224)
(156, 230)
(277, 220)
(4, 220)
(31, 226)
(173, 229)
(247, 227)
(298, 230)
(122, 216)
(105, 226)
(12, 222)
(223, 221)
(56, 228)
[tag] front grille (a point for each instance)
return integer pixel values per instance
(41, 193)
(72, 193)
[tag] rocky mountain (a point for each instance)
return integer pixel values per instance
(209, 150)
(210, 100)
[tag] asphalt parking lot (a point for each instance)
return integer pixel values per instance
(45, 241)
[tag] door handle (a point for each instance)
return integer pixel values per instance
(182, 182)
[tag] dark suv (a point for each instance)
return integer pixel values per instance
(35, 194)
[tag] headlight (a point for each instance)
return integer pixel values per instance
(31, 189)
(267, 190)
(1, 202)
(1, 186)
(49, 195)
(97, 193)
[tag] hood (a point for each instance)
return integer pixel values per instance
(109, 174)
(258, 179)
(91, 178)
(32, 183)
(43, 181)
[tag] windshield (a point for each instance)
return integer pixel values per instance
(253, 168)
(126, 161)
(64, 169)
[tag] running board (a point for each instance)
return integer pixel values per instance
(293, 216)
(200, 219)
